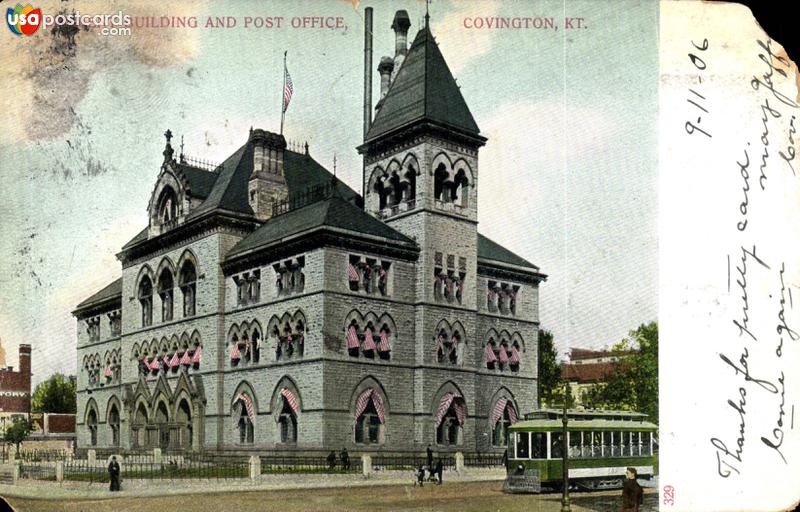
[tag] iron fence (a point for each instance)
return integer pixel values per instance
(37, 471)
(484, 460)
(385, 462)
(292, 464)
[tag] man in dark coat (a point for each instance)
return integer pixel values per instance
(113, 473)
(345, 459)
(439, 470)
(632, 495)
(332, 459)
(430, 462)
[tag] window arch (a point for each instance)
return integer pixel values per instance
(187, 281)
(138, 426)
(91, 423)
(161, 419)
(146, 300)
(244, 412)
(183, 417)
(167, 206)
(287, 417)
(165, 292)
(449, 420)
(113, 423)
(370, 417)
(504, 414)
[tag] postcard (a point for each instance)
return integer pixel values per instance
(428, 255)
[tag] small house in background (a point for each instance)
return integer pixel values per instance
(587, 369)
(15, 388)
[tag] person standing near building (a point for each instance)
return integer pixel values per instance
(113, 473)
(632, 495)
(439, 470)
(332, 460)
(345, 459)
(430, 462)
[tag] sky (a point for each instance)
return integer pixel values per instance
(567, 178)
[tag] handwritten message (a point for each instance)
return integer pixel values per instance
(760, 326)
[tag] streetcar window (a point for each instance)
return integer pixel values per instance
(606, 451)
(538, 445)
(628, 442)
(646, 444)
(625, 444)
(596, 444)
(556, 445)
(575, 444)
(522, 445)
(637, 437)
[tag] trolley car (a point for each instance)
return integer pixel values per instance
(601, 444)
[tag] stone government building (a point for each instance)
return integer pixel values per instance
(267, 306)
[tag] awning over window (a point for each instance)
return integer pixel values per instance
(369, 341)
(174, 361)
(352, 337)
(514, 359)
(196, 355)
(235, 356)
(107, 372)
(352, 273)
(501, 405)
(502, 355)
(384, 345)
(248, 405)
(457, 401)
(489, 353)
(185, 359)
(289, 396)
(363, 402)
(439, 344)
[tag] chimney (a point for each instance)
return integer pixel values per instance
(400, 25)
(385, 69)
(25, 360)
(267, 184)
(367, 70)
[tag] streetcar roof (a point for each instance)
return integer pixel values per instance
(554, 425)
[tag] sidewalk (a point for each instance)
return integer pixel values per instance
(35, 489)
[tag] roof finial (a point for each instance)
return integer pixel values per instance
(168, 151)
(427, 13)
(182, 159)
(334, 164)
(306, 147)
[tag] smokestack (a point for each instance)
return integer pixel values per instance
(385, 69)
(367, 69)
(400, 25)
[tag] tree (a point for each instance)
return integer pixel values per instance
(17, 432)
(56, 394)
(635, 385)
(549, 371)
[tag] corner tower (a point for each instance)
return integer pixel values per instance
(421, 172)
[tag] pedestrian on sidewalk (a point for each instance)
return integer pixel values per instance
(345, 459)
(439, 470)
(113, 473)
(331, 460)
(421, 475)
(430, 463)
(632, 495)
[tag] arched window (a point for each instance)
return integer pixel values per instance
(184, 420)
(353, 342)
(138, 432)
(370, 418)
(287, 420)
(167, 206)
(255, 346)
(503, 416)
(439, 185)
(188, 284)
(396, 192)
(91, 422)
(411, 183)
(453, 352)
(450, 420)
(490, 355)
(460, 189)
(162, 423)
(146, 300)
(247, 419)
(113, 422)
(502, 354)
(441, 346)
(165, 286)
(513, 358)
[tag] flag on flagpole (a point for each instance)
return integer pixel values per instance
(288, 88)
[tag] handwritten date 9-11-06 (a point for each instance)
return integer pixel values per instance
(697, 99)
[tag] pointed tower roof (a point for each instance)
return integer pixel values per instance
(423, 90)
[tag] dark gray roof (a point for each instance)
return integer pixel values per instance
(199, 181)
(335, 212)
(490, 250)
(112, 291)
(423, 90)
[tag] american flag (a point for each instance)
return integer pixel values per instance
(288, 88)
(489, 353)
(363, 402)
(155, 365)
(289, 396)
(277, 342)
(384, 345)
(503, 357)
(248, 405)
(382, 273)
(289, 339)
(514, 359)
(439, 342)
(196, 355)
(512, 414)
(166, 360)
(352, 338)
(497, 412)
(369, 341)
(107, 372)
(235, 352)
(352, 273)
(453, 344)
(458, 406)
(185, 359)
(175, 361)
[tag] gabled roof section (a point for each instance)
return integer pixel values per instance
(334, 214)
(107, 294)
(423, 90)
(230, 188)
(200, 181)
(491, 250)
(302, 172)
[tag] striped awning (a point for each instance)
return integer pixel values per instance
(289, 396)
(352, 338)
(501, 406)
(107, 372)
(514, 359)
(369, 341)
(155, 365)
(363, 401)
(185, 359)
(175, 360)
(502, 355)
(352, 273)
(489, 353)
(457, 401)
(384, 345)
(235, 355)
(248, 405)
(196, 355)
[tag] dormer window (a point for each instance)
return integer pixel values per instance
(168, 207)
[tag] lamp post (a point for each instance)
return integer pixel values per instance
(565, 460)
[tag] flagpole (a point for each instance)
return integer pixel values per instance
(283, 92)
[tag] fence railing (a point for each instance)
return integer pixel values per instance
(483, 460)
(37, 471)
(290, 464)
(388, 462)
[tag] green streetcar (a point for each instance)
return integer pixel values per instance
(602, 444)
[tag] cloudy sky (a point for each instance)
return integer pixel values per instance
(567, 178)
